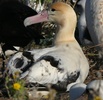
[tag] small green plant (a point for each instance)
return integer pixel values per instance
(16, 88)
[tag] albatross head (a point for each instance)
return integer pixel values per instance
(60, 13)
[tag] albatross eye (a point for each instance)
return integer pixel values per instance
(52, 9)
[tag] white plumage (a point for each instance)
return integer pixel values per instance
(94, 19)
(16, 61)
(62, 65)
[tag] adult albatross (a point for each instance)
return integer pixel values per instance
(94, 20)
(62, 65)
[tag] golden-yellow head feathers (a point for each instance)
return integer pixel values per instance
(63, 11)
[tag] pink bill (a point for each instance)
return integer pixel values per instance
(40, 17)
